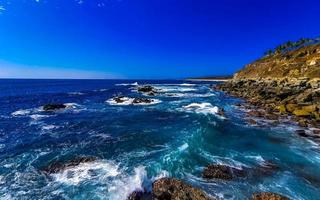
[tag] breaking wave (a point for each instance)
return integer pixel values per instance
(128, 84)
(201, 108)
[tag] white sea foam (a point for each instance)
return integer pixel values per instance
(203, 108)
(83, 172)
(174, 89)
(172, 84)
(257, 158)
(121, 188)
(49, 127)
(128, 84)
(188, 95)
(21, 112)
(76, 93)
(38, 116)
(129, 101)
(183, 147)
(103, 90)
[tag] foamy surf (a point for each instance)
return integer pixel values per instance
(189, 95)
(128, 84)
(125, 101)
(202, 108)
(21, 112)
(87, 171)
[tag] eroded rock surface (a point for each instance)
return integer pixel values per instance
(216, 171)
(268, 196)
(174, 189)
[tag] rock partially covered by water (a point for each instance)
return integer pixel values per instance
(140, 195)
(119, 99)
(216, 171)
(148, 90)
(132, 101)
(53, 107)
(174, 189)
(58, 166)
(274, 99)
(268, 196)
(141, 100)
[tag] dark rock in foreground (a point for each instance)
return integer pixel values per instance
(53, 107)
(174, 189)
(221, 172)
(268, 196)
(58, 166)
(140, 195)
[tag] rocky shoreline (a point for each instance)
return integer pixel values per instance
(175, 189)
(297, 100)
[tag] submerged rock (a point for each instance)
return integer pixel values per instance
(58, 166)
(174, 189)
(301, 133)
(268, 196)
(53, 107)
(266, 168)
(216, 171)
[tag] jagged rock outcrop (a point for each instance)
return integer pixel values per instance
(286, 83)
(216, 171)
(53, 107)
(268, 196)
(174, 189)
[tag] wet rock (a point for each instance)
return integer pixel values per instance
(252, 122)
(276, 99)
(174, 189)
(224, 172)
(146, 89)
(53, 107)
(316, 131)
(221, 112)
(140, 195)
(58, 166)
(266, 168)
(301, 133)
(141, 100)
(119, 99)
(268, 196)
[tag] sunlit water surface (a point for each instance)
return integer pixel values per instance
(138, 144)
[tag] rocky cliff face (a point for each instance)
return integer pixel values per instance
(300, 63)
(283, 83)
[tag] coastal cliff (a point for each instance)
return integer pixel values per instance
(283, 83)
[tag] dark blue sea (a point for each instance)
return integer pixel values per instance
(176, 136)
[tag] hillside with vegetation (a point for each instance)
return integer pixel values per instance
(300, 59)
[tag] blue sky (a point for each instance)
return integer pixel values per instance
(145, 38)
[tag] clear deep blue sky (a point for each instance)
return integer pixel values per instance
(145, 38)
